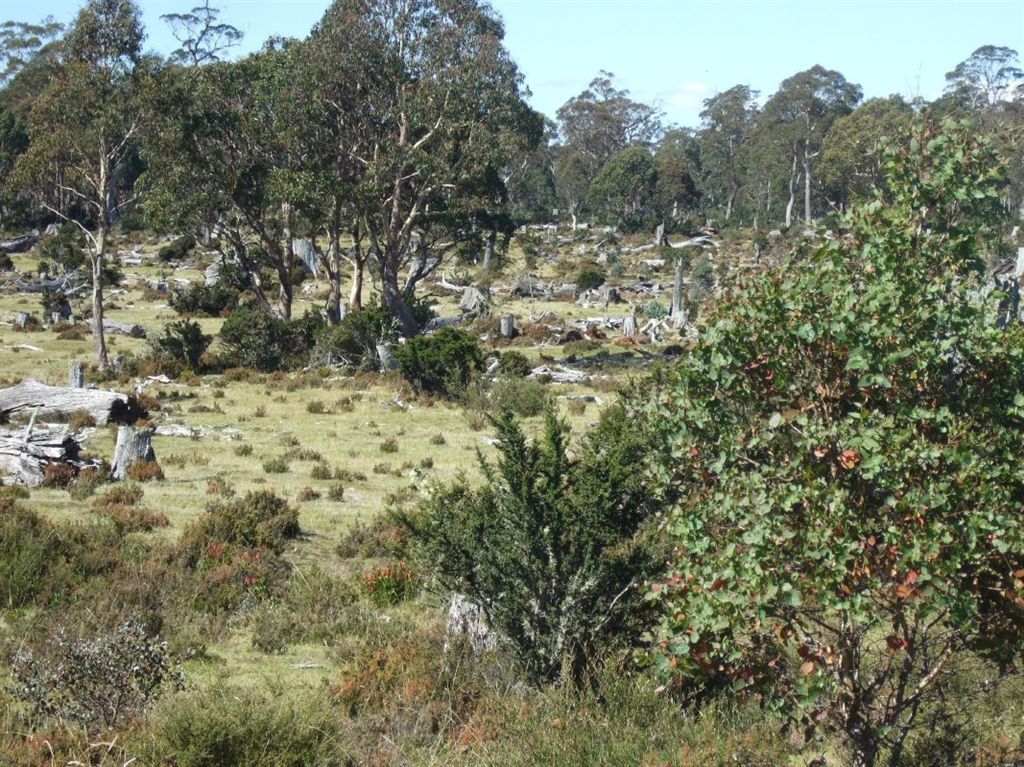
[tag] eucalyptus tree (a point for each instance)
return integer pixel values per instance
(202, 37)
(427, 91)
(677, 165)
(728, 121)
(988, 76)
(217, 161)
(624, 191)
(851, 155)
(594, 125)
(799, 116)
(21, 43)
(83, 131)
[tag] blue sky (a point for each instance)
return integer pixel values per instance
(676, 52)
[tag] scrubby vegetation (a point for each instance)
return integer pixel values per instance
(478, 443)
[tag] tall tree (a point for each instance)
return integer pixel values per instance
(989, 75)
(594, 125)
(20, 43)
(202, 37)
(430, 87)
(800, 113)
(218, 160)
(728, 121)
(678, 168)
(851, 156)
(624, 191)
(83, 130)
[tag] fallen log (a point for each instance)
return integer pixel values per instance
(125, 328)
(560, 374)
(58, 401)
(21, 244)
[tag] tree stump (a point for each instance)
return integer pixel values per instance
(76, 375)
(629, 326)
(508, 326)
(387, 358)
(21, 321)
(132, 445)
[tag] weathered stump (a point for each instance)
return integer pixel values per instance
(76, 375)
(387, 358)
(21, 320)
(629, 326)
(508, 326)
(132, 445)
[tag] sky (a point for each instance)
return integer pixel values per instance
(674, 53)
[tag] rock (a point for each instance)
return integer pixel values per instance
(125, 328)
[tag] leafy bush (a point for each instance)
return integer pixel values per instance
(104, 680)
(514, 365)
(256, 338)
(64, 250)
(204, 300)
(524, 397)
(145, 471)
(243, 728)
(177, 249)
(354, 340)
(846, 434)
(258, 520)
(441, 363)
(590, 278)
(183, 341)
(655, 309)
(390, 584)
(552, 551)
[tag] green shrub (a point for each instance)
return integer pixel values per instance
(204, 300)
(177, 249)
(442, 363)
(589, 278)
(277, 465)
(256, 338)
(655, 310)
(353, 342)
(524, 397)
(514, 364)
(183, 341)
(494, 543)
(846, 434)
(258, 520)
(223, 726)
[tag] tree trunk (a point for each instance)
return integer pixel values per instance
(729, 202)
(355, 296)
(629, 326)
(508, 325)
(99, 340)
(792, 193)
(132, 445)
(395, 302)
(334, 275)
(677, 291)
(386, 357)
(492, 239)
(807, 188)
